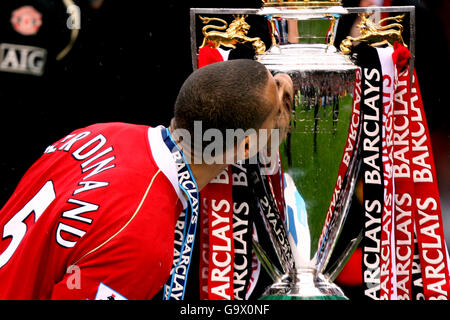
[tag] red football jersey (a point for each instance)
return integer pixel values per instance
(93, 218)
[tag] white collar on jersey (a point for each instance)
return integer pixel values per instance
(164, 160)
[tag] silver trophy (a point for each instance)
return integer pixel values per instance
(311, 155)
(304, 235)
(318, 188)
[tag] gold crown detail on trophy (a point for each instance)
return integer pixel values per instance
(301, 3)
(376, 33)
(235, 33)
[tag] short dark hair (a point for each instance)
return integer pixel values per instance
(224, 95)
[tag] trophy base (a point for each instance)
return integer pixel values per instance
(303, 285)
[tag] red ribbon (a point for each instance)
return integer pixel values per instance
(417, 195)
(404, 187)
(218, 246)
(430, 233)
(204, 244)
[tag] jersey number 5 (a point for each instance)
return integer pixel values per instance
(16, 228)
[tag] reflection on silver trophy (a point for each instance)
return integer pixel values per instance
(316, 203)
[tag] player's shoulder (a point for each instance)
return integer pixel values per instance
(121, 135)
(113, 126)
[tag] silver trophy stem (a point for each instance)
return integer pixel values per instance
(303, 284)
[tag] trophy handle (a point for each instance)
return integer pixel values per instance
(333, 230)
(274, 224)
(340, 263)
(266, 262)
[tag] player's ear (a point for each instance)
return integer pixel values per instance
(249, 147)
(172, 123)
